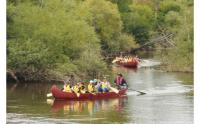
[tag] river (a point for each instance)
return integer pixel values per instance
(168, 100)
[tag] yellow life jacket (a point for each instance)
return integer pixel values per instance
(68, 88)
(104, 85)
(90, 88)
(82, 88)
(76, 88)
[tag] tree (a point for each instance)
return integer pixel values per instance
(178, 18)
(139, 22)
(48, 40)
(106, 21)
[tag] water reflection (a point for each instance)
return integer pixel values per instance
(88, 106)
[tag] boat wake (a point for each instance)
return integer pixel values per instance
(169, 90)
(148, 63)
(133, 93)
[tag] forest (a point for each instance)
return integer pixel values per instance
(51, 39)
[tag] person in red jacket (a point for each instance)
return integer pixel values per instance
(120, 81)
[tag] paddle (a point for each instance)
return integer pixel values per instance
(92, 93)
(78, 94)
(114, 89)
(142, 93)
(114, 61)
(49, 94)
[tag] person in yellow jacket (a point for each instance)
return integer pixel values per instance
(76, 88)
(91, 88)
(82, 87)
(67, 88)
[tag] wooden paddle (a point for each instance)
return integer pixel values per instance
(78, 94)
(92, 93)
(114, 61)
(114, 89)
(49, 94)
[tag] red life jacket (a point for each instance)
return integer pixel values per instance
(119, 80)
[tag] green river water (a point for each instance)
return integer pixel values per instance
(168, 100)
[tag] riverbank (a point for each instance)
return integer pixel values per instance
(174, 62)
(13, 76)
(174, 68)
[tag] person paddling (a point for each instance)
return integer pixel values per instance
(91, 87)
(76, 89)
(82, 87)
(67, 88)
(120, 81)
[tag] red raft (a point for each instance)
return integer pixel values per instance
(59, 94)
(131, 64)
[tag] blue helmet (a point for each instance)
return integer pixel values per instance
(95, 80)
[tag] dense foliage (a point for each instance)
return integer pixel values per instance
(57, 38)
(145, 19)
(54, 38)
(180, 23)
(176, 17)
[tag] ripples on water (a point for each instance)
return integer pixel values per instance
(177, 89)
(148, 63)
(27, 119)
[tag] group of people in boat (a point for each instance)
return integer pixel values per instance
(126, 59)
(95, 85)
